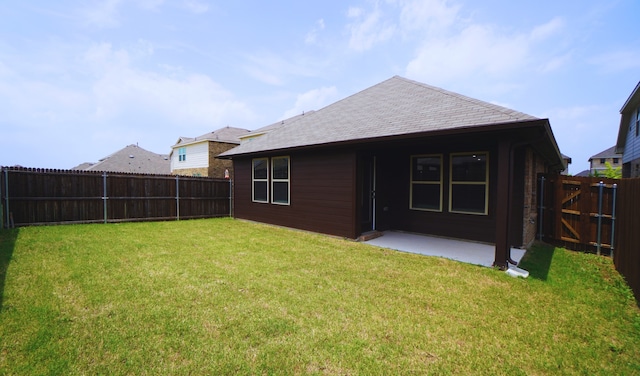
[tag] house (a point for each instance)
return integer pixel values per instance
(264, 130)
(598, 162)
(400, 155)
(566, 160)
(199, 156)
(629, 135)
(131, 159)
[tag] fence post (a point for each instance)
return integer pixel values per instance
(104, 196)
(541, 212)
(6, 195)
(230, 198)
(613, 217)
(599, 242)
(177, 198)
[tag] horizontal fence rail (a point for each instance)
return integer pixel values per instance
(44, 196)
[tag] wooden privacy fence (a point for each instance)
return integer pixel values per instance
(594, 215)
(627, 255)
(43, 196)
(578, 212)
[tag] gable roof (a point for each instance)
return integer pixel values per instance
(625, 117)
(395, 107)
(609, 153)
(133, 159)
(229, 135)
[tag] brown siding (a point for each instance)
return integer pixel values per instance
(322, 194)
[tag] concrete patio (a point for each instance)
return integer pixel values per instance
(460, 250)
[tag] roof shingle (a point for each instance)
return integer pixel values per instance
(397, 106)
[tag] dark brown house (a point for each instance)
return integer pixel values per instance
(400, 155)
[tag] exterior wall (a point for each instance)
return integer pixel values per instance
(218, 166)
(325, 193)
(533, 166)
(598, 165)
(322, 198)
(393, 194)
(631, 157)
(197, 157)
(202, 171)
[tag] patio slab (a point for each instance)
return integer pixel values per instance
(460, 250)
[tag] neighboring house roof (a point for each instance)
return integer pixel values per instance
(625, 119)
(609, 153)
(567, 158)
(585, 173)
(133, 159)
(396, 106)
(229, 135)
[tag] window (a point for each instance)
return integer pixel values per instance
(637, 121)
(260, 179)
(182, 154)
(426, 183)
(616, 160)
(280, 180)
(602, 160)
(469, 183)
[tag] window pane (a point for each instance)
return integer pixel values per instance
(425, 196)
(280, 168)
(281, 192)
(259, 168)
(472, 167)
(260, 191)
(426, 168)
(468, 198)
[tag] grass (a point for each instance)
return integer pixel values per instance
(229, 297)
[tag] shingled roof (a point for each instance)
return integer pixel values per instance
(397, 106)
(133, 159)
(229, 135)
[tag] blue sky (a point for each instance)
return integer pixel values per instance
(82, 79)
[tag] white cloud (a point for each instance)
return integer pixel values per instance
(432, 16)
(183, 98)
(312, 36)
(273, 69)
(368, 29)
(197, 7)
(102, 15)
(547, 30)
(312, 100)
(618, 60)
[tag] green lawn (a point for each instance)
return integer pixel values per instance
(222, 296)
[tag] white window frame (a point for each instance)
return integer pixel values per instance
(287, 180)
(182, 154)
(412, 182)
(485, 183)
(254, 180)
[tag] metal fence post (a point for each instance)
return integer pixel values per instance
(177, 198)
(541, 211)
(613, 217)
(599, 242)
(104, 196)
(230, 198)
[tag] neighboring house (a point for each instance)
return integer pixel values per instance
(400, 155)
(629, 135)
(598, 162)
(566, 161)
(132, 159)
(198, 156)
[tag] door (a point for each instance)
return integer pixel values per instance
(367, 200)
